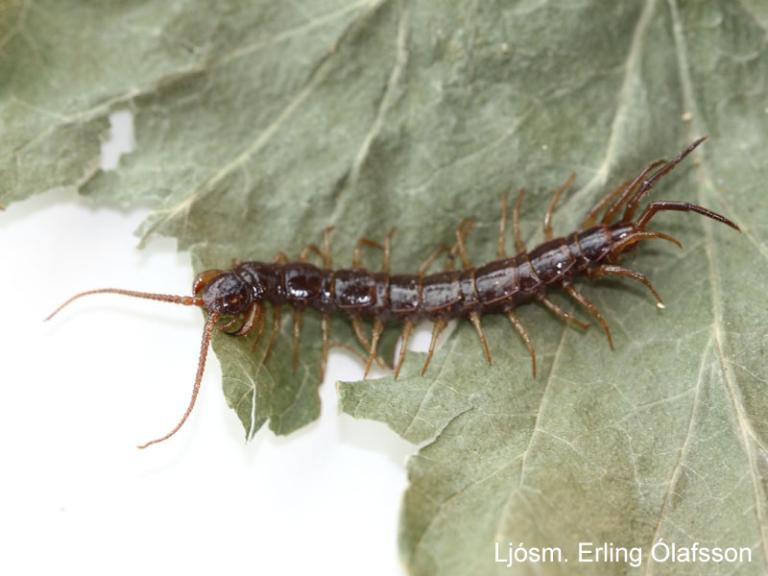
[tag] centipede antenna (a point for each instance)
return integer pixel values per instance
(624, 193)
(184, 300)
(207, 332)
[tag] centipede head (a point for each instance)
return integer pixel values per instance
(224, 293)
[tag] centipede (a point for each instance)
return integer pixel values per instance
(237, 300)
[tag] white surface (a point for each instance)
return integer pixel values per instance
(78, 393)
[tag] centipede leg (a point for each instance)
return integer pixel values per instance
(325, 321)
(351, 349)
(325, 328)
(611, 270)
(276, 320)
(323, 253)
(311, 249)
(378, 328)
(474, 317)
(298, 319)
(548, 234)
(649, 184)
(462, 231)
(437, 328)
(405, 337)
(560, 313)
(524, 335)
(591, 308)
(434, 255)
(259, 329)
(501, 245)
(623, 193)
(387, 250)
(357, 254)
(357, 328)
(519, 244)
(281, 258)
(636, 237)
(591, 217)
(327, 256)
(664, 205)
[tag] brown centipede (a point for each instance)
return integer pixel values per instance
(238, 297)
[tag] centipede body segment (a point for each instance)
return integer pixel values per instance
(236, 300)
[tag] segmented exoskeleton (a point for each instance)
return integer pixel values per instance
(239, 296)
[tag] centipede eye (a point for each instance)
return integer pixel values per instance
(203, 279)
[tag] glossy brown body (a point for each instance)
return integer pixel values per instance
(495, 287)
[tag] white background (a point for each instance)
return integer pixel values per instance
(77, 395)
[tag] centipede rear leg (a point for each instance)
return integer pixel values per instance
(463, 230)
(590, 219)
(623, 192)
(666, 205)
(648, 184)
